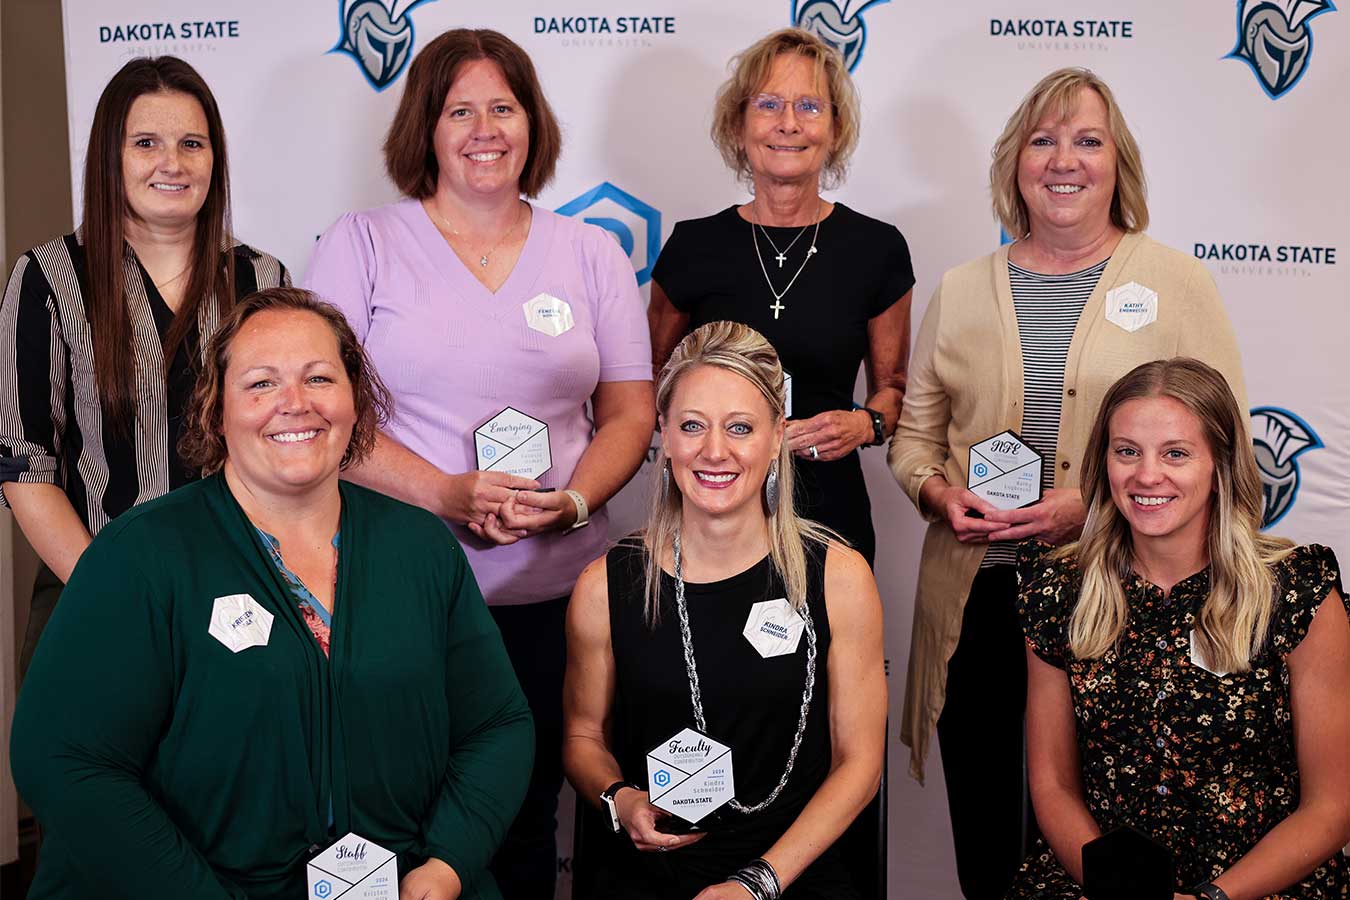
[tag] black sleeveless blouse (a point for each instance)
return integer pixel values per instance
(750, 703)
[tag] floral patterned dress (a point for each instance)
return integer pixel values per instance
(1203, 762)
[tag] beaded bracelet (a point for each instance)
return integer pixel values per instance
(759, 879)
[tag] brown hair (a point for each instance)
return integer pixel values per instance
(750, 69)
(1233, 622)
(1057, 95)
(105, 210)
(409, 154)
(203, 444)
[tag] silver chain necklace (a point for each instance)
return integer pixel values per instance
(696, 695)
(777, 305)
(781, 255)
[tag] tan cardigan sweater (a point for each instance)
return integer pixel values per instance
(965, 385)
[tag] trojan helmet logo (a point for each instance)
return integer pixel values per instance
(838, 23)
(1278, 437)
(378, 34)
(1273, 38)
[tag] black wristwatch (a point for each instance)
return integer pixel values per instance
(878, 426)
(1209, 891)
(607, 798)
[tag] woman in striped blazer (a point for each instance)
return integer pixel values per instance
(102, 330)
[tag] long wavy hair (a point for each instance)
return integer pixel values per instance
(1234, 620)
(739, 349)
(116, 365)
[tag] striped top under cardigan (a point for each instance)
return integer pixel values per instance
(51, 422)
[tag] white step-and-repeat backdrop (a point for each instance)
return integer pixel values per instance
(1239, 106)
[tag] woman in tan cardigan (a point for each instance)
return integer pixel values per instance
(1029, 339)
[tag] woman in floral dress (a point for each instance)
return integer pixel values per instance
(1186, 676)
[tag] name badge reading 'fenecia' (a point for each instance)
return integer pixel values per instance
(514, 443)
(353, 867)
(1005, 472)
(690, 775)
(548, 315)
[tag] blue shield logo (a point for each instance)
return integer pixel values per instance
(634, 224)
(378, 34)
(838, 23)
(1279, 437)
(323, 889)
(661, 778)
(1273, 38)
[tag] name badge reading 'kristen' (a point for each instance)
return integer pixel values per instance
(1005, 472)
(239, 622)
(353, 867)
(690, 775)
(514, 443)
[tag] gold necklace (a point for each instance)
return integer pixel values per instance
(482, 260)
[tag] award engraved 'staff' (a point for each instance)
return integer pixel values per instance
(514, 443)
(1005, 472)
(356, 865)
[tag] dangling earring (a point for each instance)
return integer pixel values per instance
(665, 480)
(771, 489)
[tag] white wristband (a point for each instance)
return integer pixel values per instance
(583, 513)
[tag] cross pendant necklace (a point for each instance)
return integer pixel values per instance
(777, 305)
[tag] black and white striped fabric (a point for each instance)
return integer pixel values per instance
(1048, 309)
(51, 422)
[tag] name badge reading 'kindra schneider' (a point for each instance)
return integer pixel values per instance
(514, 443)
(774, 628)
(353, 867)
(1005, 472)
(690, 775)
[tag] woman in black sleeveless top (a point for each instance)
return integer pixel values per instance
(749, 626)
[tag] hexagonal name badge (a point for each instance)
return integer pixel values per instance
(689, 775)
(514, 443)
(1005, 471)
(353, 864)
(1131, 306)
(774, 628)
(548, 315)
(239, 622)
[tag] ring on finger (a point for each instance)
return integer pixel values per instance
(815, 454)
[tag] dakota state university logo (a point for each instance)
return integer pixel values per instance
(1278, 437)
(378, 34)
(838, 23)
(1273, 38)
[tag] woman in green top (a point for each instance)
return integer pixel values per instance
(247, 669)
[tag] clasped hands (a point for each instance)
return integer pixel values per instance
(638, 817)
(1056, 519)
(504, 508)
(835, 434)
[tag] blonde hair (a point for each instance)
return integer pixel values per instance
(1233, 622)
(739, 349)
(750, 70)
(1056, 95)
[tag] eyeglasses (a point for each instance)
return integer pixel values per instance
(771, 106)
